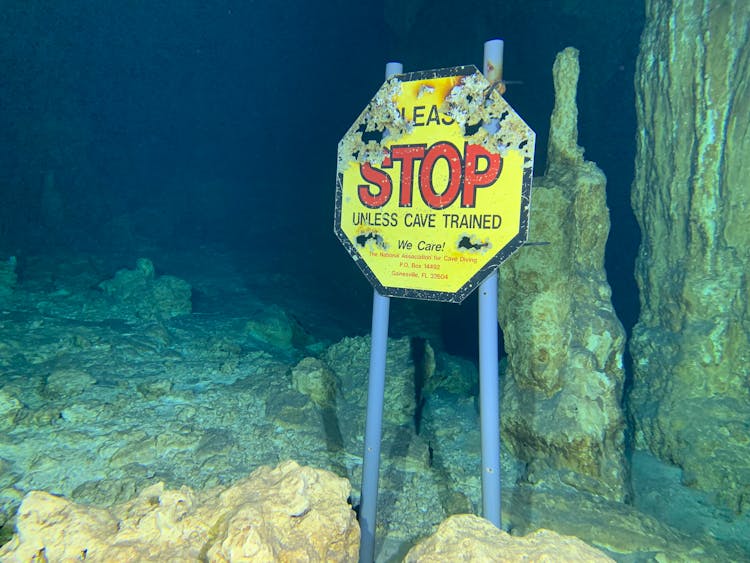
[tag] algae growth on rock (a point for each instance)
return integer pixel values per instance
(691, 346)
(562, 392)
(207, 144)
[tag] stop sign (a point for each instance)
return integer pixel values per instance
(433, 184)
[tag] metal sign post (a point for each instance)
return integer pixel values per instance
(368, 503)
(432, 194)
(373, 426)
(489, 396)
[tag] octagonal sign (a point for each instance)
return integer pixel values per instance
(433, 184)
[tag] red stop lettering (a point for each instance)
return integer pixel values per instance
(474, 179)
(407, 154)
(380, 179)
(476, 168)
(430, 195)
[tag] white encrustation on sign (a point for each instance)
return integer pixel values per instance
(433, 184)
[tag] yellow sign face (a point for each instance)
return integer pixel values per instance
(433, 184)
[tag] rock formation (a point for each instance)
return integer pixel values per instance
(347, 359)
(8, 276)
(561, 396)
(139, 293)
(465, 537)
(288, 513)
(691, 346)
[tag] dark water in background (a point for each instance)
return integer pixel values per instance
(208, 129)
(185, 123)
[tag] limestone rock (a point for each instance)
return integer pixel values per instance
(614, 526)
(465, 537)
(350, 360)
(140, 293)
(52, 206)
(453, 374)
(288, 513)
(412, 494)
(274, 326)
(292, 410)
(562, 391)
(68, 382)
(313, 378)
(10, 406)
(8, 276)
(691, 346)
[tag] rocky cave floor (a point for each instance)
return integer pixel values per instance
(97, 402)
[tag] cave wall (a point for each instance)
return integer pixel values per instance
(691, 346)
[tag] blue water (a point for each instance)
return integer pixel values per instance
(165, 129)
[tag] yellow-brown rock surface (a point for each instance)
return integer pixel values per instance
(561, 396)
(288, 513)
(465, 537)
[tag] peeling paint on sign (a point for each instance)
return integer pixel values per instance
(433, 184)
(487, 119)
(380, 123)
